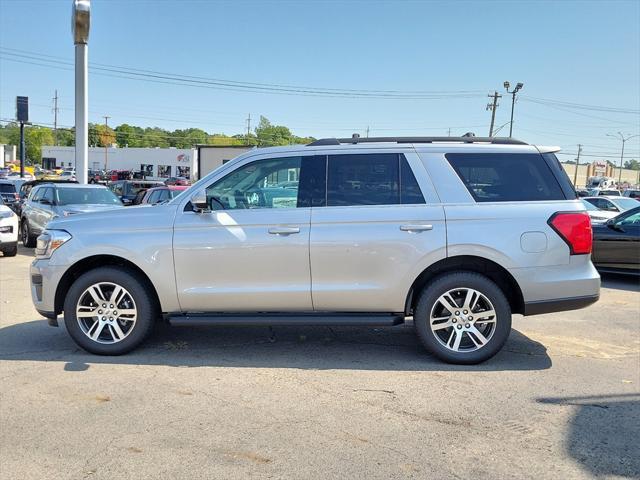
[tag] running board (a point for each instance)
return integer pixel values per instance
(284, 319)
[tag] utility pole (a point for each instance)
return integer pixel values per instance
(55, 118)
(492, 107)
(248, 128)
(367, 131)
(449, 134)
(575, 175)
(621, 137)
(106, 126)
(513, 93)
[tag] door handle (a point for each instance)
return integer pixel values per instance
(416, 227)
(284, 230)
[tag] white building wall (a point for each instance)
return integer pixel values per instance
(128, 159)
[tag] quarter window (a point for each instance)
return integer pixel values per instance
(506, 177)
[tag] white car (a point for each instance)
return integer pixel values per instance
(612, 204)
(8, 231)
(597, 215)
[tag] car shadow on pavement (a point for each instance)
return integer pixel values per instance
(317, 348)
(629, 283)
(603, 433)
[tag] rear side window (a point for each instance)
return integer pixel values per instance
(7, 188)
(506, 177)
(371, 179)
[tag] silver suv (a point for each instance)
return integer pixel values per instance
(458, 233)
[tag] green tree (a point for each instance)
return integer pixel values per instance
(35, 138)
(632, 164)
(129, 136)
(66, 137)
(155, 137)
(272, 135)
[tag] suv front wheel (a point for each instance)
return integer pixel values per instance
(463, 317)
(28, 240)
(109, 311)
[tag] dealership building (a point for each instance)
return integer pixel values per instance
(156, 163)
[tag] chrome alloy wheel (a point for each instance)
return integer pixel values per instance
(463, 320)
(106, 312)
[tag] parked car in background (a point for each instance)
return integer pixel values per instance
(616, 243)
(612, 204)
(177, 181)
(376, 230)
(9, 193)
(595, 192)
(25, 190)
(631, 193)
(4, 172)
(582, 192)
(51, 200)
(157, 195)
(127, 190)
(68, 175)
(17, 176)
(8, 230)
(597, 215)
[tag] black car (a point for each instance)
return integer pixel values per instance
(127, 190)
(616, 243)
(9, 193)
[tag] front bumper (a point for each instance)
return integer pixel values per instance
(44, 279)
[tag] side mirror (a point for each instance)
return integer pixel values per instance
(199, 202)
(127, 201)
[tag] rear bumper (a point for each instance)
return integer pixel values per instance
(559, 304)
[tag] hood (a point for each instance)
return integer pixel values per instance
(109, 221)
(87, 208)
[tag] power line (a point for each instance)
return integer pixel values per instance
(222, 84)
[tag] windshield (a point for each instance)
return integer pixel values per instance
(625, 203)
(94, 196)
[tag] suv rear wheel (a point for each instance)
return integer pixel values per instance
(28, 240)
(108, 311)
(463, 317)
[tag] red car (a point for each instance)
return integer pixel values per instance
(160, 194)
(177, 181)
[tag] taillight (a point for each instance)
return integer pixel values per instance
(16, 196)
(575, 229)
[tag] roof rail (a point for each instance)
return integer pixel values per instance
(464, 139)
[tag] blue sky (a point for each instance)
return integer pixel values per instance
(584, 52)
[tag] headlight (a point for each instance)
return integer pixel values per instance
(49, 241)
(6, 214)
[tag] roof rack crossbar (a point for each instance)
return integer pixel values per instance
(465, 139)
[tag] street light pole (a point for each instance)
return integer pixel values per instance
(80, 23)
(624, 140)
(513, 93)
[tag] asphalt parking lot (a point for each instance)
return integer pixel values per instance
(562, 400)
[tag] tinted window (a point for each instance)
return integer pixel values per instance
(47, 195)
(269, 183)
(506, 177)
(87, 196)
(363, 179)
(7, 188)
(409, 188)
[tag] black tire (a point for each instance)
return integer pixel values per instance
(450, 281)
(144, 302)
(11, 251)
(28, 240)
